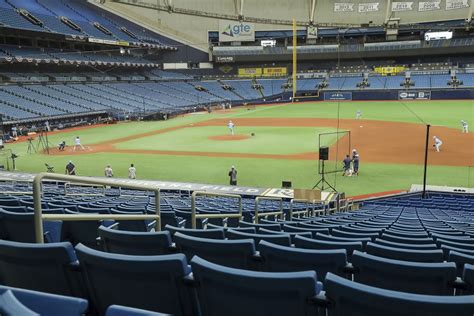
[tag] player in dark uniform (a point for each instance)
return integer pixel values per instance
(355, 161)
(233, 176)
(347, 165)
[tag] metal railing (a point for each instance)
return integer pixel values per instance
(308, 212)
(266, 214)
(39, 216)
(195, 216)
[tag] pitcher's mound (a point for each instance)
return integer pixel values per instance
(229, 137)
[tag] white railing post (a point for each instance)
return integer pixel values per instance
(195, 216)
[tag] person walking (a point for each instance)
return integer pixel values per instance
(233, 176)
(70, 169)
(132, 172)
(108, 172)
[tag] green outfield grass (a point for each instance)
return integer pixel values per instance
(375, 177)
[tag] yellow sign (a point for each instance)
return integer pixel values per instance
(388, 71)
(274, 71)
(250, 72)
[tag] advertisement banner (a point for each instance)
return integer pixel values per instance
(343, 7)
(456, 4)
(249, 72)
(368, 7)
(337, 96)
(414, 95)
(274, 71)
(402, 6)
(429, 5)
(224, 59)
(235, 31)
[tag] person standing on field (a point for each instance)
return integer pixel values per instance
(70, 169)
(132, 172)
(77, 143)
(231, 125)
(233, 176)
(437, 143)
(108, 172)
(465, 127)
(358, 114)
(355, 161)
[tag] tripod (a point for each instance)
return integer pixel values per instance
(43, 141)
(31, 148)
(323, 180)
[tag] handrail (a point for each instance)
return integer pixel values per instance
(81, 194)
(195, 216)
(39, 216)
(257, 214)
(292, 201)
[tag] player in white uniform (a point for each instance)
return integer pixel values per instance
(358, 114)
(231, 125)
(465, 127)
(77, 143)
(437, 143)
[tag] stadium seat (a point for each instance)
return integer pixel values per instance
(275, 227)
(282, 239)
(238, 253)
(255, 293)
(135, 243)
(460, 259)
(292, 235)
(308, 243)
(344, 297)
(404, 276)
(405, 246)
(20, 227)
(155, 283)
(313, 231)
(51, 268)
(117, 310)
(276, 258)
(215, 233)
(468, 278)
(29, 303)
(405, 254)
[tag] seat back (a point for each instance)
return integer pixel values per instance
(460, 259)
(308, 243)
(283, 240)
(405, 254)
(404, 276)
(356, 299)
(147, 282)
(255, 293)
(468, 277)
(215, 233)
(232, 253)
(51, 268)
(278, 258)
(40, 303)
(117, 310)
(134, 243)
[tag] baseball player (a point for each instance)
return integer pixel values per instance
(465, 127)
(358, 114)
(231, 125)
(437, 143)
(77, 143)
(355, 161)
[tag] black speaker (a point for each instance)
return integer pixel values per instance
(286, 184)
(323, 153)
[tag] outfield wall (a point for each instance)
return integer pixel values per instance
(412, 94)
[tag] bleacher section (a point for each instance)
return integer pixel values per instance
(90, 20)
(391, 256)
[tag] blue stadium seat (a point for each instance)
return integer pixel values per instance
(38, 303)
(313, 231)
(404, 276)
(345, 297)
(254, 293)
(154, 283)
(282, 239)
(51, 268)
(278, 258)
(215, 233)
(460, 259)
(20, 227)
(238, 253)
(405, 254)
(405, 246)
(135, 243)
(275, 227)
(117, 310)
(308, 243)
(292, 235)
(468, 278)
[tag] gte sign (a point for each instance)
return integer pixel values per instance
(234, 31)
